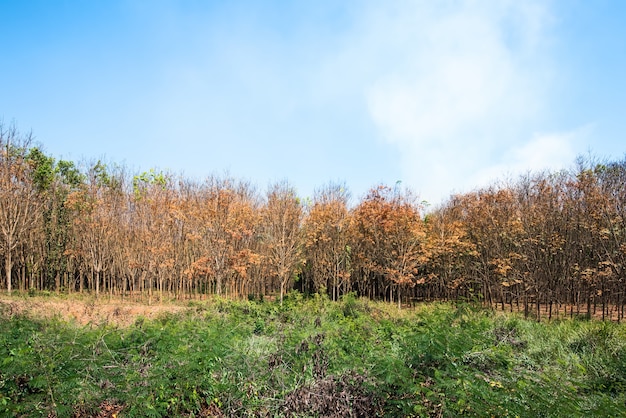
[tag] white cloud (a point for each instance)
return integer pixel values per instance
(545, 151)
(459, 84)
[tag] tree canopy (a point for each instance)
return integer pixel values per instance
(550, 239)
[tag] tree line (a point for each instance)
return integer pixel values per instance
(542, 243)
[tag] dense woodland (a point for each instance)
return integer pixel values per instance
(555, 240)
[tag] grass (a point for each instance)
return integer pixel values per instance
(311, 357)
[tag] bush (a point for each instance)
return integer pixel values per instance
(313, 357)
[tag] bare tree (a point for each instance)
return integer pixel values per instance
(19, 206)
(326, 240)
(280, 225)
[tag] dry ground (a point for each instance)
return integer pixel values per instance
(85, 310)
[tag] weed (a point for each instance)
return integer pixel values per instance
(310, 357)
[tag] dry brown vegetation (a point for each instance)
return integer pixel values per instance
(542, 244)
(86, 311)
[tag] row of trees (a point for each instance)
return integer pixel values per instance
(545, 240)
(548, 239)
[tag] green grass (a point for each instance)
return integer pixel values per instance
(313, 357)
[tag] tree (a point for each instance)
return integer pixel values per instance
(53, 182)
(151, 227)
(221, 218)
(450, 250)
(96, 207)
(388, 238)
(19, 205)
(326, 240)
(281, 218)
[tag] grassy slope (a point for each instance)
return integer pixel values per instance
(312, 358)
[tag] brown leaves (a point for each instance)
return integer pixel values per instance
(326, 239)
(388, 236)
(547, 237)
(281, 219)
(348, 395)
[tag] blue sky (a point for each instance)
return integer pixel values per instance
(445, 96)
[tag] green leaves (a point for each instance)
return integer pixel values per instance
(313, 356)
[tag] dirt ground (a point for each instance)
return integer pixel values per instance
(85, 311)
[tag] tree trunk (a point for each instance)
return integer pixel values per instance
(8, 265)
(538, 307)
(282, 290)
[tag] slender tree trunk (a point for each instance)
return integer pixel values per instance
(525, 305)
(8, 265)
(282, 290)
(604, 307)
(550, 310)
(538, 306)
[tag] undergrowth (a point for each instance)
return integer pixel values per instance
(311, 357)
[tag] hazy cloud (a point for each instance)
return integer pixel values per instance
(459, 85)
(545, 151)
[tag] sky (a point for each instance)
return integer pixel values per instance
(444, 96)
